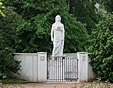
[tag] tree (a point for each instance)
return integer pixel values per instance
(1, 6)
(34, 34)
(109, 5)
(84, 11)
(8, 26)
(101, 47)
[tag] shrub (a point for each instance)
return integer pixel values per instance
(8, 26)
(7, 62)
(102, 48)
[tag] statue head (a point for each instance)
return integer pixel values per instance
(58, 18)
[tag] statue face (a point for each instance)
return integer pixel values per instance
(58, 18)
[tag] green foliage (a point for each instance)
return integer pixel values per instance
(11, 80)
(84, 11)
(101, 48)
(109, 5)
(8, 26)
(7, 63)
(34, 34)
(97, 84)
(1, 7)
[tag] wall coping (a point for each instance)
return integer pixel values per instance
(29, 53)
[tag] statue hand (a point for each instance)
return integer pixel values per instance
(62, 39)
(52, 39)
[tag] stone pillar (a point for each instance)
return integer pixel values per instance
(42, 66)
(82, 66)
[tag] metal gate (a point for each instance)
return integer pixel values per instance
(62, 69)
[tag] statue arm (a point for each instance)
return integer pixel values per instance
(63, 31)
(52, 33)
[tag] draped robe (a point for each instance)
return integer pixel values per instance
(57, 36)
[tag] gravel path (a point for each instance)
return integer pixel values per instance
(35, 85)
(50, 85)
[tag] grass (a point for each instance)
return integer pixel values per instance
(12, 81)
(83, 85)
(97, 84)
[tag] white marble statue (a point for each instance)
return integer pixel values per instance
(57, 37)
